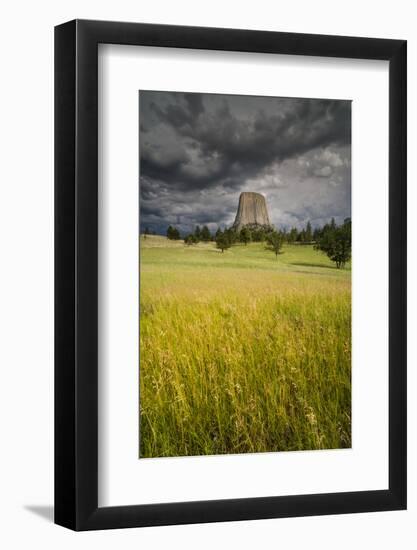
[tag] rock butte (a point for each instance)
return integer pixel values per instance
(252, 210)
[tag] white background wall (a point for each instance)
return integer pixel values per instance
(26, 271)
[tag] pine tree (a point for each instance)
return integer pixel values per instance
(301, 236)
(308, 233)
(274, 242)
(231, 235)
(336, 242)
(176, 234)
(205, 234)
(173, 233)
(223, 241)
(244, 235)
(190, 239)
(293, 235)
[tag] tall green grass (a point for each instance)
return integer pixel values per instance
(241, 352)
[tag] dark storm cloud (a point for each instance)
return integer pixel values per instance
(199, 151)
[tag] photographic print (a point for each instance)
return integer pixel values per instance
(245, 274)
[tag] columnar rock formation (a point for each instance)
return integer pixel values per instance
(252, 211)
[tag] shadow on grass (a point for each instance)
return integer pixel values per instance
(200, 249)
(308, 264)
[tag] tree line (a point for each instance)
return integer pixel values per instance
(249, 233)
(332, 239)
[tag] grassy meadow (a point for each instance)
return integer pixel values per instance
(242, 351)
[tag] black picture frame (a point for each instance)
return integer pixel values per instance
(76, 272)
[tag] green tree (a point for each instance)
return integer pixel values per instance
(258, 234)
(308, 233)
(190, 239)
(146, 232)
(173, 233)
(293, 235)
(245, 235)
(176, 234)
(336, 242)
(274, 242)
(231, 235)
(170, 232)
(223, 241)
(205, 234)
(197, 233)
(301, 236)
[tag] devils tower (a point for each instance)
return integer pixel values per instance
(252, 211)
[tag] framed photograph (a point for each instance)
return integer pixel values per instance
(230, 275)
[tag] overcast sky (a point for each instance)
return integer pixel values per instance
(198, 152)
